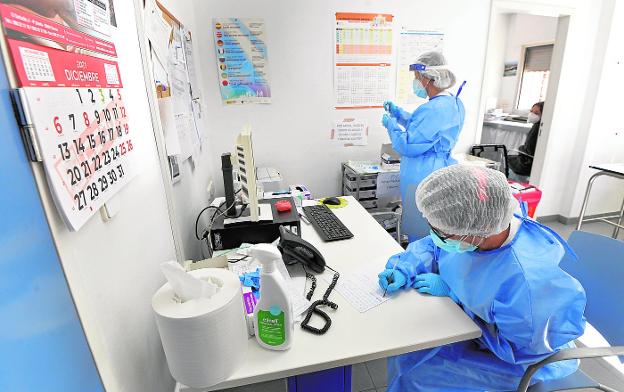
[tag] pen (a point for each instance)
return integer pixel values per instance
(390, 279)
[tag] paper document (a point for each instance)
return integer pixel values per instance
(350, 132)
(362, 60)
(157, 30)
(413, 43)
(361, 289)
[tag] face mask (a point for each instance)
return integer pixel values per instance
(419, 89)
(451, 246)
(533, 118)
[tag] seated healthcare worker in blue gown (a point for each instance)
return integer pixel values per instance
(502, 268)
(425, 138)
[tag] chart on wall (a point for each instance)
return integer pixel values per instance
(242, 62)
(73, 92)
(413, 43)
(362, 60)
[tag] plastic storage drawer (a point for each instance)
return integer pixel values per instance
(351, 181)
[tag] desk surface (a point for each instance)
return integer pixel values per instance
(408, 322)
(614, 168)
(511, 125)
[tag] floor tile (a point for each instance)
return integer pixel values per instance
(360, 379)
(378, 370)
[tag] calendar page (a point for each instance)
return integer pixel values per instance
(73, 93)
(86, 144)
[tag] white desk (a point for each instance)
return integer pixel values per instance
(409, 322)
(510, 133)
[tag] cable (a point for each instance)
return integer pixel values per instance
(199, 216)
(209, 207)
(207, 235)
(314, 308)
(237, 260)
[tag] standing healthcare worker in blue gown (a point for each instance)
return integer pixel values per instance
(502, 269)
(425, 138)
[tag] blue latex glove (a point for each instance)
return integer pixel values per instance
(388, 122)
(431, 284)
(389, 107)
(397, 280)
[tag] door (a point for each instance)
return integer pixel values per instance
(42, 343)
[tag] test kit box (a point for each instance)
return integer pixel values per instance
(232, 235)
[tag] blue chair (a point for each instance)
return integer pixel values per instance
(600, 269)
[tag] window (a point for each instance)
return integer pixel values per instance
(535, 74)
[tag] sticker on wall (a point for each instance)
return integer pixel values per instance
(242, 62)
(350, 132)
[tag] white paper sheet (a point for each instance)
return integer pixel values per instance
(361, 289)
(388, 184)
(412, 43)
(167, 120)
(157, 30)
(350, 132)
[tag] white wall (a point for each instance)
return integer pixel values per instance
(496, 50)
(604, 140)
(113, 267)
(292, 133)
(563, 144)
(523, 30)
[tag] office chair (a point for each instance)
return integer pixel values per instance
(494, 152)
(600, 269)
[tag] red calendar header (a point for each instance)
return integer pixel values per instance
(37, 26)
(40, 66)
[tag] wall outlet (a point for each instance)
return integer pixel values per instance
(211, 190)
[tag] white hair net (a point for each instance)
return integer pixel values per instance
(466, 200)
(436, 69)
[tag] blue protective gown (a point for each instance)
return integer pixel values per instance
(526, 306)
(425, 146)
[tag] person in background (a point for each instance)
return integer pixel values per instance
(424, 138)
(521, 164)
(502, 269)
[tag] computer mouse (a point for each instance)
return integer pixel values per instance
(332, 201)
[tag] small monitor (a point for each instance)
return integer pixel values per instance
(244, 162)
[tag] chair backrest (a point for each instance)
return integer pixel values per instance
(600, 269)
(494, 152)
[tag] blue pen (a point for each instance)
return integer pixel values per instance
(390, 279)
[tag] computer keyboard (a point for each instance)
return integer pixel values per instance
(326, 224)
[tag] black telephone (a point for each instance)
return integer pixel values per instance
(296, 250)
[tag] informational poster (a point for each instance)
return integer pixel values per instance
(73, 92)
(350, 132)
(412, 43)
(363, 60)
(242, 62)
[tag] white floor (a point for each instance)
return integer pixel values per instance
(372, 376)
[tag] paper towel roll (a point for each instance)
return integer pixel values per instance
(204, 339)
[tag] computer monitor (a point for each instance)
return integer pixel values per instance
(244, 162)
